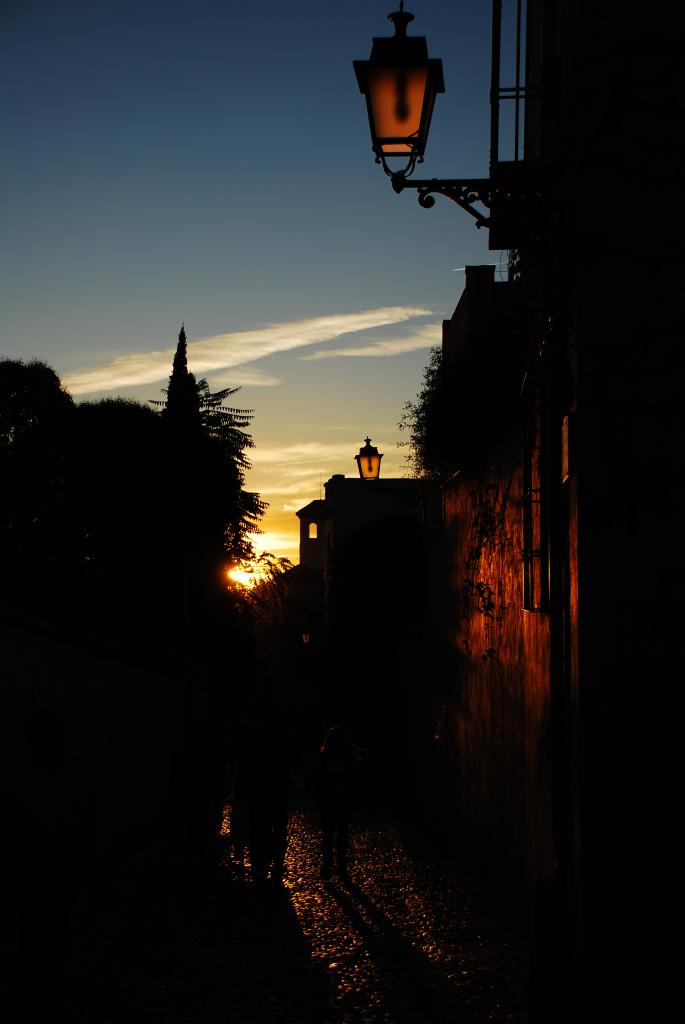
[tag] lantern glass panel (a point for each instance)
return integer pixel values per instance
(397, 96)
(369, 466)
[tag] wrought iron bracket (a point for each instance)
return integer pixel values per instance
(463, 192)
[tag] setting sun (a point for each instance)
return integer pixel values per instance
(241, 576)
(246, 574)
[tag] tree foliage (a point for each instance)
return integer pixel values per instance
(182, 406)
(226, 426)
(469, 400)
(212, 437)
(428, 420)
(117, 522)
(128, 579)
(266, 590)
(36, 420)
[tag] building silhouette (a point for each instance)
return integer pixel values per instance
(367, 560)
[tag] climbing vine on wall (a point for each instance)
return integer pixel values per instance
(489, 498)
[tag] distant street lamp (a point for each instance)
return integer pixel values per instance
(400, 83)
(369, 461)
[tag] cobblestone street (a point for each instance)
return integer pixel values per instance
(403, 941)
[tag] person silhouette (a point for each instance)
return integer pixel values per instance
(334, 782)
(268, 757)
(238, 782)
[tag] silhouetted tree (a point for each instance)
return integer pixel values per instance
(36, 419)
(120, 490)
(213, 516)
(119, 521)
(263, 598)
(182, 406)
(428, 422)
(113, 526)
(212, 436)
(454, 425)
(226, 426)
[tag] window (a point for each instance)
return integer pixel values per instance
(313, 531)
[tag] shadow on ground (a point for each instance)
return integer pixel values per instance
(189, 949)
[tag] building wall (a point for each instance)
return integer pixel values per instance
(499, 705)
(354, 504)
(601, 265)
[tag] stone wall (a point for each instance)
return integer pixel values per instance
(498, 699)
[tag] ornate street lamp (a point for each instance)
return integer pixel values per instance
(400, 83)
(369, 461)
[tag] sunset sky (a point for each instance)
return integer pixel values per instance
(208, 162)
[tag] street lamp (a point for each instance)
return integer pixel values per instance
(400, 83)
(369, 461)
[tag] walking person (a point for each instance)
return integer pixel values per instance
(237, 778)
(268, 758)
(334, 783)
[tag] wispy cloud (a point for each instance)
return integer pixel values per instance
(243, 375)
(224, 351)
(283, 542)
(295, 506)
(424, 338)
(302, 486)
(298, 454)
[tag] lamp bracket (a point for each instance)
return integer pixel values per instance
(463, 192)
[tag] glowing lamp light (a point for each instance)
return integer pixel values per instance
(369, 461)
(400, 84)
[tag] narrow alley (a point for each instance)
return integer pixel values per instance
(403, 941)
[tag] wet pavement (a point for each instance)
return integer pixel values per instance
(403, 941)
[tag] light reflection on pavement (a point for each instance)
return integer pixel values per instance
(402, 941)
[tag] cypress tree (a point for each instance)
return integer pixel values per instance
(182, 406)
(211, 440)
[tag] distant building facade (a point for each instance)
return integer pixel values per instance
(350, 506)
(371, 546)
(352, 517)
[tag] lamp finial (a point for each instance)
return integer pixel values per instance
(400, 20)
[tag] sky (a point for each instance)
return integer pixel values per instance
(209, 163)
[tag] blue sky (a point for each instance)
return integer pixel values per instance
(209, 162)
